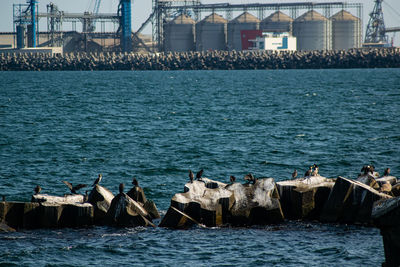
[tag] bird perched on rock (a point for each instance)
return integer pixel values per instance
(232, 179)
(37, 189)
(315, 171)
(199, 174)
(135, 182)
(308, 172)
(191, 176)
(294, 174)
(249, 178)
(86, 197)
(98, 180)
(387, 172)
(121, 188)
(74, 188)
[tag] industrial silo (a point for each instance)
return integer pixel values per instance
(277, 22)
(179, 34)
(346, 31)
(245, 21)
(313, 31)
(211, 33)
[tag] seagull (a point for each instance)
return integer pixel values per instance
(191, 176)
(121, 188)
(98, 180)
(232, 179)
(37, 189)
(135, 182)
(294, 174)
(74, 188)
(199, 174)
(308, 172)
(249, 178)
(387, 172)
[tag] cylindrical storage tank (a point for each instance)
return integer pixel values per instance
(277, 22)
(29, 31)
(313, 31)
(179, 34)
(346, 31)
(245, 21)
(20, 36)
(211, 33)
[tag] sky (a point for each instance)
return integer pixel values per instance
(141, 9)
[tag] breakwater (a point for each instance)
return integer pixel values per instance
(213, 60)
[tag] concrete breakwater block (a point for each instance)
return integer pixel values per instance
(126, 212)
(350, 202)
(19, 214)
(53, 215)
(304, 198)
(100, 197)
(199, 204)
(386, 216)
(255, 204)
(212, 203)
(71, 199)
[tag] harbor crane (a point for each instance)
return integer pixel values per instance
(376, 31)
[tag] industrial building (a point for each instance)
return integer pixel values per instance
(274, 42)
(178, 25)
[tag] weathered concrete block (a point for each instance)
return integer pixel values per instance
(151, 209)
(208, 205)
(31, 219)
(137, 194)
(386, 216)
(350, 202)
(50, 214)
(175, 218)
(5, 228)
(256, 203)
(66, 199)
(76, 215)
(304, 198)
(126, 212)
(100, 197)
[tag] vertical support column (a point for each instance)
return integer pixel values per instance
(126, 27)
(33, 21)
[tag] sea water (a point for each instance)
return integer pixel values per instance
(156, 125)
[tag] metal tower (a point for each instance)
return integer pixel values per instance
(124, 11)
(376, 32)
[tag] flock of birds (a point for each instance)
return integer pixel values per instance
(75, 188)
(249, 178)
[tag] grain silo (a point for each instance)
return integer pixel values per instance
(179, 34)
(245, 21)
(313, 31)
(211, 33)
(346, 31)
(277, 22)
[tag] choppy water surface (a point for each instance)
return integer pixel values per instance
(157, 125)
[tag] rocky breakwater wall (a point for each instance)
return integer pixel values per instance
(213, 60)
(100, 207)
(210, 203)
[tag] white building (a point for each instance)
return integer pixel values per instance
(274, 41)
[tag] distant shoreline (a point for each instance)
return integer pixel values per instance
(213, 60)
